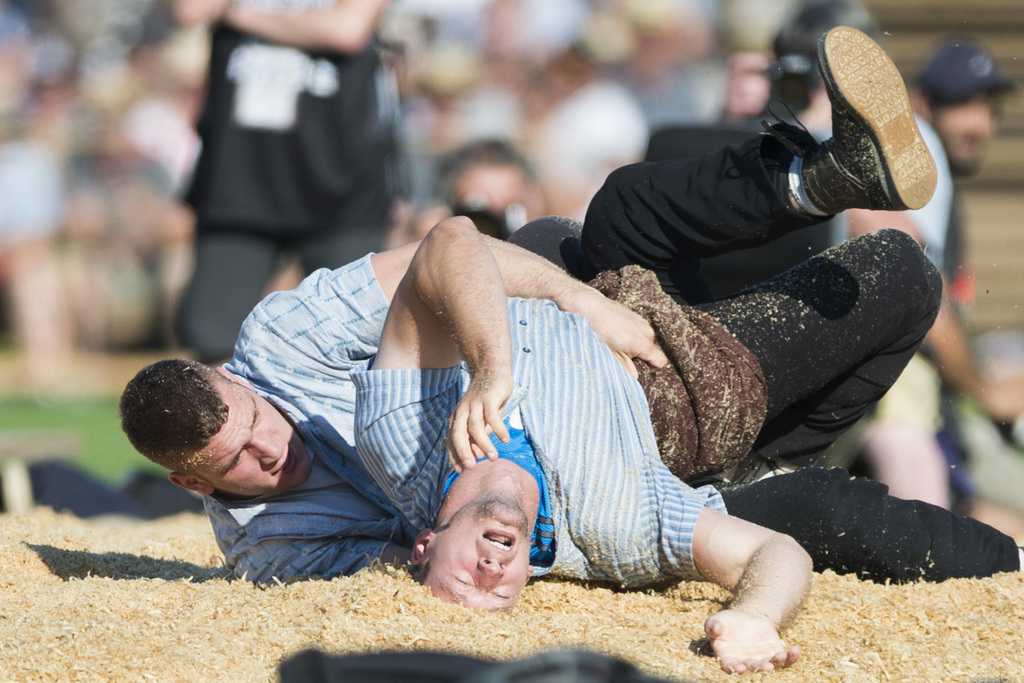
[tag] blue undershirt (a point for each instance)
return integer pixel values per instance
(519, 451)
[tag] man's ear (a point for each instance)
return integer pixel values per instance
(233, 377)
(191, 482)
(420, 545)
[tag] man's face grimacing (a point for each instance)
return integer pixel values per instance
(479, 557)
(256, 452)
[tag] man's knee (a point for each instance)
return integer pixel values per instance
(909, 262)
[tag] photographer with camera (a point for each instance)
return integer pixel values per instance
(487, 180)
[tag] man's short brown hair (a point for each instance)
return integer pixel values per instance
(171, 410)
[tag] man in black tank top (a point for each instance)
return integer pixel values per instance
(298, 152)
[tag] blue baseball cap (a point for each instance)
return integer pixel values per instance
(959, 70)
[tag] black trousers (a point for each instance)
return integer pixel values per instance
(853, 526)
(831, 335)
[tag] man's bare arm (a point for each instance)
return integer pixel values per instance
(451, 305)
(345, 27)
(769, 575)
(528, 275)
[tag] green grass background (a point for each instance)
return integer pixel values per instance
(106, 452)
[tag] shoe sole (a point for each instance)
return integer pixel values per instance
(859, 75)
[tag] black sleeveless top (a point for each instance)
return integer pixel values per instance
(294, 142)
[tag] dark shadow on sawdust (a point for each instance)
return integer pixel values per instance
(81, 564)
(702, 647)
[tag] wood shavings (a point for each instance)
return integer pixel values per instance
(116, 599)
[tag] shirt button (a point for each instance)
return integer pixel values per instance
(526, 349)
(522, 322)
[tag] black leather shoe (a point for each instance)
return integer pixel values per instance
(876, 158)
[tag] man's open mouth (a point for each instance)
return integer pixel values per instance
(501, 540)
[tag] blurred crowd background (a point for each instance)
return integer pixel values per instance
(510, 110)
(98, 99)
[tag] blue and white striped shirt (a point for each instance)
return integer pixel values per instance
(297, 349)
(619, 514)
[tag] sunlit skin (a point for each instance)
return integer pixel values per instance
(479, 559)
(478, 554)
(256, 452)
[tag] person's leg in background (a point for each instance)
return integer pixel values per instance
(230, 273)
(899, 447)
(335, 248)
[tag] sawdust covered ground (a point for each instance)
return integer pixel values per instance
(118, 600)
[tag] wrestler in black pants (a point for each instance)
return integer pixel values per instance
(831, 335)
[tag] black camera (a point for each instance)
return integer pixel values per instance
(492, 223)
(794, 77)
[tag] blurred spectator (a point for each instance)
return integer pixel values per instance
(32, 207)
(583, 124)
(995, 450)
(777, 79)
(31, 211)
(747, 29)
(160, 124)
(298, 152)
(473, 69)
(541, 75)
(15, 56)
(751, 25)
(100, 212)
(450, 103)
(670, 66)
(489, 181)
(124, 229)
(159, 127)
(747, 88)
(959, 95)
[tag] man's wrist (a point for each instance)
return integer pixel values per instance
(757, 611)
(490, 372)
(578, 297)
